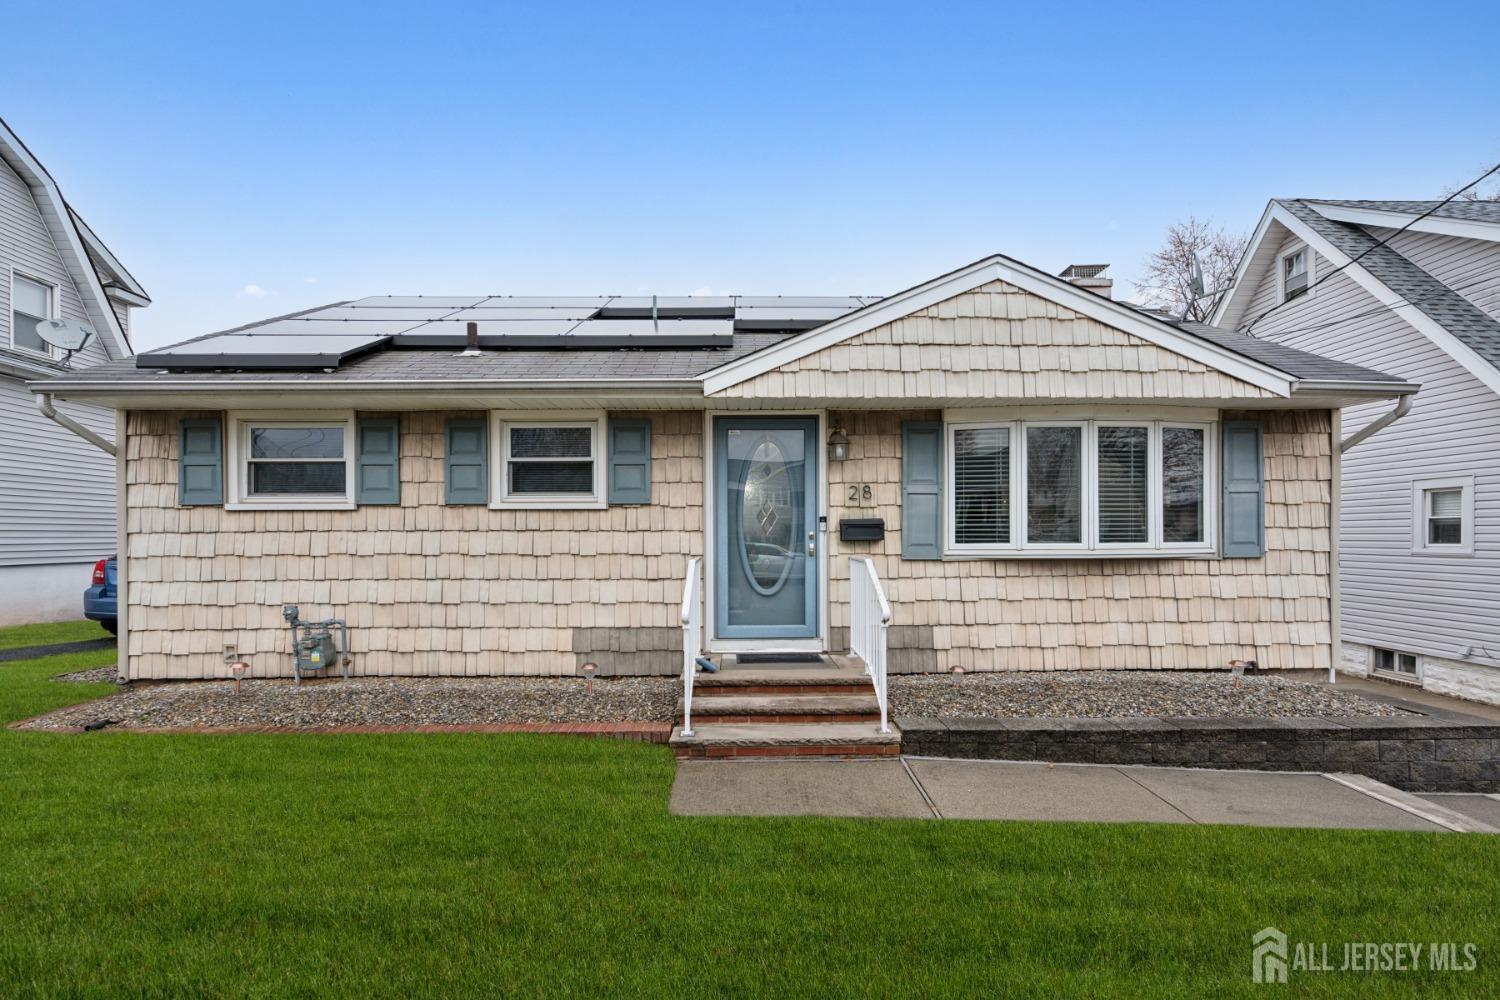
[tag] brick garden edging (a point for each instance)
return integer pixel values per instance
(1413, 753)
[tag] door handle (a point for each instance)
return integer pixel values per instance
(812, 543)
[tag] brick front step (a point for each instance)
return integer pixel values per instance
(785, 708)
(822, 739)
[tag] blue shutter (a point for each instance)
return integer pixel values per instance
(921, 489)
(1243, 506)
(629, 461)
(466, 464)
(200, 461)
(378, 461)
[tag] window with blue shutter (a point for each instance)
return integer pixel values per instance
(629, 461)
(200, 461)
(466, 463)
(1243, 506)
(922, 489)
(377, 460)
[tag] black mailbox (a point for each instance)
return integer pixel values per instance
(861, 529)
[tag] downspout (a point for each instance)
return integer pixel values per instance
(1402, 408)
(44, 403)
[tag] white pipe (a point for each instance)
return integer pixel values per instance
(1403, 407)
(44, 403)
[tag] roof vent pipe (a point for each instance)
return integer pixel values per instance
(471, 342)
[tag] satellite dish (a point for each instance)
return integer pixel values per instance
(64, 334)
(1196, 279)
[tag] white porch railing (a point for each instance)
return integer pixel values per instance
(869, 617)
(692, 637)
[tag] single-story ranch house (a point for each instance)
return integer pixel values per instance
(1038, 477)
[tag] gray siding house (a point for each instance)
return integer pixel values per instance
(57, 492)
(1377, 284)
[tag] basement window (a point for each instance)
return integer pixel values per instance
(288, 463)
(1387, 661)
(549, 463)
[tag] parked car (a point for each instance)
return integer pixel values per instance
(99, 600)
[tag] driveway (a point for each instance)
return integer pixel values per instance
(916, 787)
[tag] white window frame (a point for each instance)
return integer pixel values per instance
(50, 352)
(237, 452)
(1415, 677)
(1312, 274)
(502, 421)
(1419, 510)
(1090, 546)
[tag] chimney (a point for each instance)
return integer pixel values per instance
(1090, 276)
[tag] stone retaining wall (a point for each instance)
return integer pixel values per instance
(1415, 753)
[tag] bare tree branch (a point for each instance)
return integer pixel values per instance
(1167, 283)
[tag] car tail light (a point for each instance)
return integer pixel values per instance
(99, 570)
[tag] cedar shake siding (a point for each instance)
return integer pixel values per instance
(430, 589)
(1070, 614)
(427, 588)
(995, 344)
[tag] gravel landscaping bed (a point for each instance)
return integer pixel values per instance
(98, 675)
(380, 701)
(1115, 695)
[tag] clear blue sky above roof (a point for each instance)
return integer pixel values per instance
(248, 161)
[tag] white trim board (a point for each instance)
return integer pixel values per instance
(998, 268)
(1243, 289)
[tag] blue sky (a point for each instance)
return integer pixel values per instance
(246, 161)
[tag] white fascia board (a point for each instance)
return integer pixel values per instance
(1424, 324)
(123, 285)
(1246, 276)
(1468, 228)
(997, 268)
(58, 219)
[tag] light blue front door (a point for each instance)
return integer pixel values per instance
(765, 527)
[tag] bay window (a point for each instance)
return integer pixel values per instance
(1079, 487)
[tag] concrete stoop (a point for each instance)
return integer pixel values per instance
(822, 710)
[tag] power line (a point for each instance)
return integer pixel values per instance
(1416, 301)
(1378, 244)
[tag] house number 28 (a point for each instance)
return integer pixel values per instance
(860, 494)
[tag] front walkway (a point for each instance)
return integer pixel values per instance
(920, 787)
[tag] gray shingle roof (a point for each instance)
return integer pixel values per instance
(447, 364)
(1467, 211)
(1288, 359)
(1443, 305)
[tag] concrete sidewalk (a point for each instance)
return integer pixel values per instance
(916, 787)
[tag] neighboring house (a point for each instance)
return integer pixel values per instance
(1044, 479)
(1420, 518)
(57, 491)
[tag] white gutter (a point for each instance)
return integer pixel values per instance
(44, 403)
(1402, 408)
(97, 386)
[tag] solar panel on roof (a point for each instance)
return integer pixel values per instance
(669, 307)
(257, 350)
(379, 314)
(544, 301)
(510, 314)
(786, 317)
(846, 302)
(492, 333)
(422, 301)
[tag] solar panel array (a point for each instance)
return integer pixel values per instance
(323, 338)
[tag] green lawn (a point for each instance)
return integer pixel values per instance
(19, 636)
(414, 865)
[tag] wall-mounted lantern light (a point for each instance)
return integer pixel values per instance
(838, 445)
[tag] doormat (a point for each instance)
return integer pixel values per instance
(753, 658)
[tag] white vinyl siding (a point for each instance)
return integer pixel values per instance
(1393, 597)
(57, 492)
(26, 248)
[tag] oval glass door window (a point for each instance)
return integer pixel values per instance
(767, 519)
